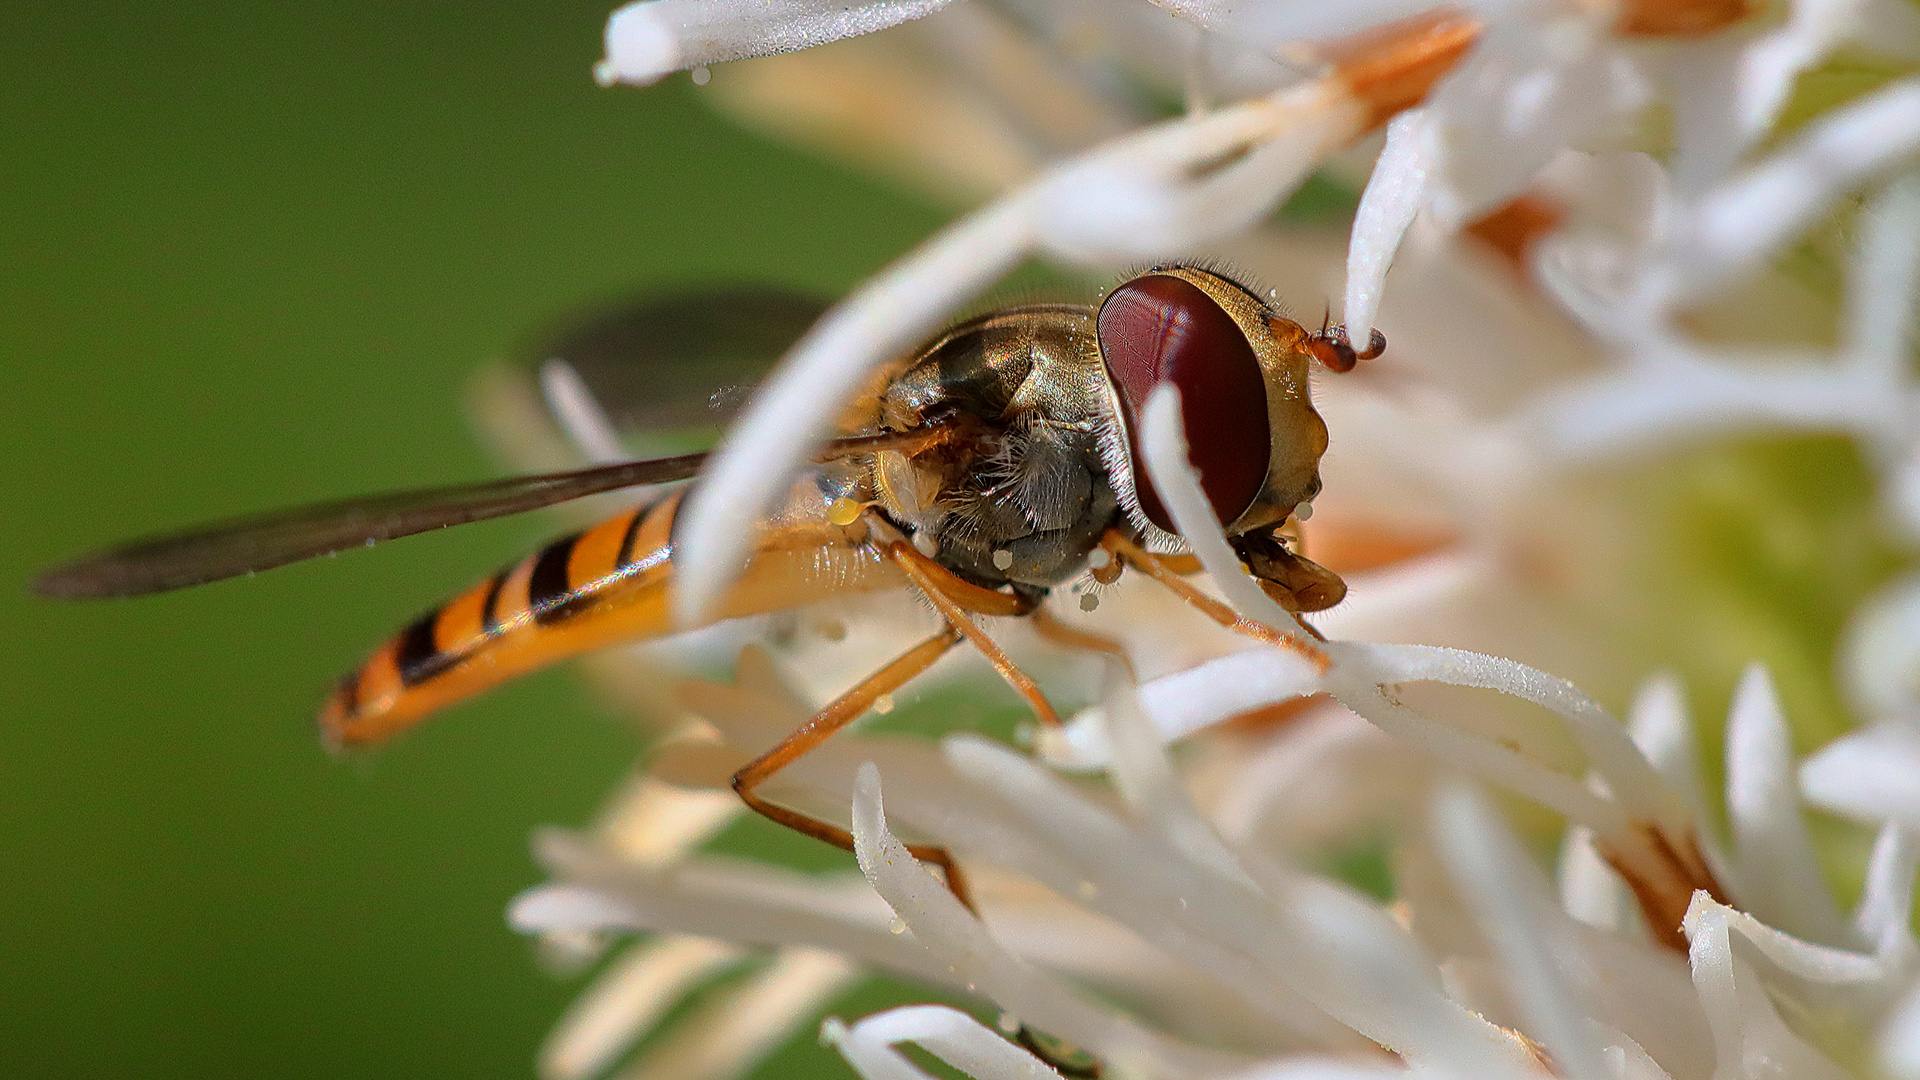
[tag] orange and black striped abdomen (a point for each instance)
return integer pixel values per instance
(606, 585)
(520, 619)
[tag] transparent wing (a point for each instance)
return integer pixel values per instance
(680, 361)
(260, 542)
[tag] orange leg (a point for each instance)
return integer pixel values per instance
(939, 584)
(838, 714)
(1068, 637)
(1156, 568)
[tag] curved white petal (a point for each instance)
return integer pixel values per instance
(1510, 902)
(955, 937)
(1392, 196)
(1868, 775)
(1779, 875)
(628, 999)
(651, 38)
(947, 1033)
(1741, 222)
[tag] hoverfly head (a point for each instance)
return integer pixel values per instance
(1242, 372)
(1252, 433)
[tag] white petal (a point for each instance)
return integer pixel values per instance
(1322, 780)
(1749, 1038)
(650, 38)
(1081, 851)
(654, 824)
(1730, 93)
(1162, 193)
(1164, 440)
(1184, 905)
(1393, 195)
(1706, 96)
(1884, 285)
(1886, 901)
(1743, 221)
(1663, 731)
(1897, 1043)
(1676, 397)
(1188, 701)
(1486, 759)
(1146, 780)
(745, 903)
(627, 1000)
(1271, 26)
(1778, 872)
(1530, 90)
(955, 938)
(947, 1033)
(1373, 974)
(1334, 1069)
(551, 908)
(1590, 890)
(1869, 775)
(1510, 903)
(1880, 653)
(1900, 487)
(1787, 955)
(1609, 751)
(791, 413)
(727, 1036)
(579, 414)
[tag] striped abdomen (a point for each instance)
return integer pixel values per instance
(592, 589)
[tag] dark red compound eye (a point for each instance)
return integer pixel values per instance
(1160, 329)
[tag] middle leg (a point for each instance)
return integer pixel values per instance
(842, 711)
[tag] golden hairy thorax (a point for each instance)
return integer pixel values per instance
(1027, 497)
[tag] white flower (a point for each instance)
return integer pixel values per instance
(1236, 959)
(1631, 164)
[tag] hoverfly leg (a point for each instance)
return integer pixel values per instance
(1029, 1040)
(935, 582)
(1069, 637)
(842, 711)
(1155, 567)
(1184, 565)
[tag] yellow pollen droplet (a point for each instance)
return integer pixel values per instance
(1089, 601)
(896, 925)
(883, 704)
(843, 511)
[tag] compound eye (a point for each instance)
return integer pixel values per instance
(1161, 329)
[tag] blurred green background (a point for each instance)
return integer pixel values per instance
(250, 256)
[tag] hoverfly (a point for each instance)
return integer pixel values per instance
(991, 465)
